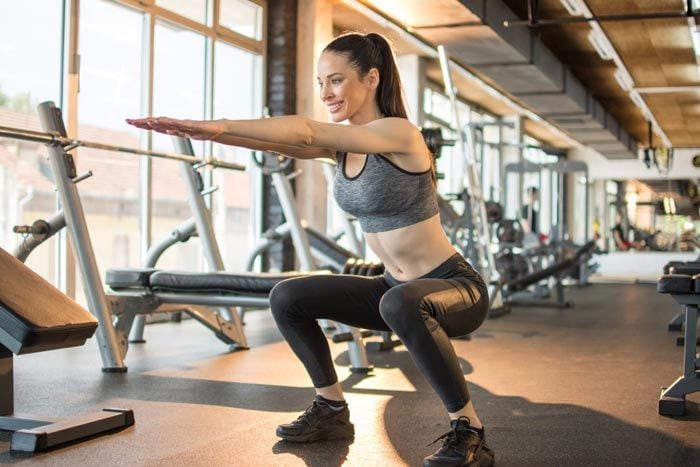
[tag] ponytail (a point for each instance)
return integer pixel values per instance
(369, 51)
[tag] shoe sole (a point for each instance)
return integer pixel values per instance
(337, 433)
(486, 459)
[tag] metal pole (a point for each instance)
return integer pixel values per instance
(205, 228)
(111, 348)
(299, 237)
(69, 144)
(533, 13)
(487, 262)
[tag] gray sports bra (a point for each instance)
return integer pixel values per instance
(383, 196)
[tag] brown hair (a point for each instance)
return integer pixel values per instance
(367, 51)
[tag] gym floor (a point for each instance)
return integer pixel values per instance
(554, 387)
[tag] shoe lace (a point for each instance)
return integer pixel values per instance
(311, 412)
(454, 437)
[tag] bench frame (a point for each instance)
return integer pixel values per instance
(33, 435)
(672, 400)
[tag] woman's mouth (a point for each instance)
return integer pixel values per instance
(333, 108)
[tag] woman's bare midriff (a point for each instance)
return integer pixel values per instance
(412, 251)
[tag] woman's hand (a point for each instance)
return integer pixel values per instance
(193, 129)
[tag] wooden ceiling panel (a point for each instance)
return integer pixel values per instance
(657, 53)
(414, 12)
(621, 7)
(680, 74)
(347, 19)
(470, 92)
(546, 137)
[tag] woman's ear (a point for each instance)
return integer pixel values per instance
(372, 78)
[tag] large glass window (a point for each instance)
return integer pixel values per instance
(110, 90)
(31, 56)
(114, 83)
(242, 16)
(193, 9)
(178, 91)
(237, 94)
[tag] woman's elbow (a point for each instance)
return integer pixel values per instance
(308, 136)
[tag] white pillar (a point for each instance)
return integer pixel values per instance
(413, 78)
(314, 31)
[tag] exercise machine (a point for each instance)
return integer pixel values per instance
(310, 245)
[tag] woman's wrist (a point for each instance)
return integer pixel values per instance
(220, 129)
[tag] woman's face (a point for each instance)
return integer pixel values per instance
(347, 96)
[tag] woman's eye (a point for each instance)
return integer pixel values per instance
(336, 81)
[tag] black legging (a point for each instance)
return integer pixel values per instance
(424, 313)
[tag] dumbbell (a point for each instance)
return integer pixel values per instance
(434, 140)
(360, 267)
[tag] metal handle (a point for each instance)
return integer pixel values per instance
(210, 190)
(82, 177)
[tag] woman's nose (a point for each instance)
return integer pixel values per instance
(326, 92)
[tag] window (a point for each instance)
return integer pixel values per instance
(31, 55)
(237, 94)
(110, 90)
(242, 16)
(114, 84)
(193, 9)
(178, 91)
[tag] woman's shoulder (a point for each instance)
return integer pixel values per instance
(396, 125)
(399, 121)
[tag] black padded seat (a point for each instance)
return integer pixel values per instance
(220, 282)
(675, 284)
(686, 268)
(34, 315)
(671, 264)
(128, 277)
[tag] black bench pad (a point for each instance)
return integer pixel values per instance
(199, 282)
(678, 284)
(220, 282)
(36, 316)
(128, 277)
(686, 268)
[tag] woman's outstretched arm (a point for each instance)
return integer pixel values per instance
(214, 130)
(385, 135)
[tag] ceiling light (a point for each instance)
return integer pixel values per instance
(572, 6)
(637, 99)
(624, 79)
(600, 44)
(695, 34)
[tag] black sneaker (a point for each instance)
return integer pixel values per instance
(319, 421)
(460, 447)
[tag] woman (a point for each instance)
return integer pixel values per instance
(385, 178)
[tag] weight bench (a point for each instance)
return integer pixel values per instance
(676, 323)
(184, 290)
(555, 270)
(684, 286)
(36, 317)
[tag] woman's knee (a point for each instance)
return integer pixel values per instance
(398, 305)
(283, 296)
